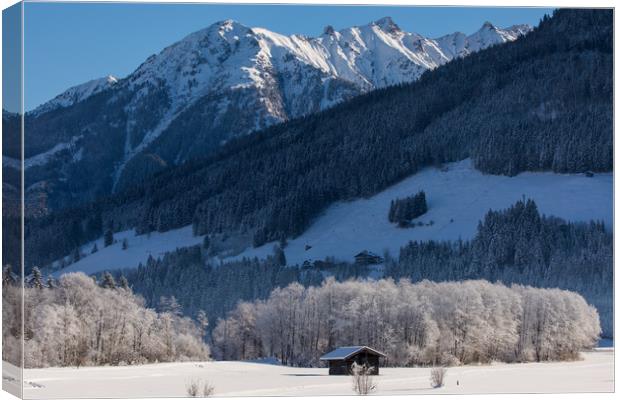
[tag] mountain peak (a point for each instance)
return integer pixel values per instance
(387, 24)
(488, 25)
(328, 30)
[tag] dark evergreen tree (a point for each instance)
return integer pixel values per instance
(279, 255)
(108, 238)
(77, 255)
(402, 211)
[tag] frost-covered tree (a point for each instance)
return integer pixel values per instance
(80, 323)
(107, 281)
(424, 323)
(36, 281)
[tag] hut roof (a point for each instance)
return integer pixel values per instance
(342, 353)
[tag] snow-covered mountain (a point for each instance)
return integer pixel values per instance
(76, 94)
(216, 84)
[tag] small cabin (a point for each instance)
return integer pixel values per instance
(341, 360)
(367, 258)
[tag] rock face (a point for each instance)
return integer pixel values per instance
(216, 84)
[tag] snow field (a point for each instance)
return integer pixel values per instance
(140, 247)
(595, 373)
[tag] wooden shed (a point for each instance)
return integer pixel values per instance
(367, 258)
(341, 359)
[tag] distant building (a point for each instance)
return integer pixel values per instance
(367, 258)
(341, 360)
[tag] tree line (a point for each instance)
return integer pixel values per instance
(77, 321)
(425, 323)
(518, 245)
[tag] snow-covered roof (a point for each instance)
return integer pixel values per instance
(342, 353)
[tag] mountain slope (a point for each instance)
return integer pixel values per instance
(216, 84)
(76, 94)
(542, 102)
(458, 198)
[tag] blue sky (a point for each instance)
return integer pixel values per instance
(67, 44)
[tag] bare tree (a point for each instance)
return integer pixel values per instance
(207, 389)
(192, 388)
(362, 379)
(438, 374)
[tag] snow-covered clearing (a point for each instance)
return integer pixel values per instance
(139, 248)
(593, 374)
(458, 196)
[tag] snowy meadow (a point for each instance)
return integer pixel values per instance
(593, 373)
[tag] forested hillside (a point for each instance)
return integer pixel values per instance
(543, 102)
(516, 245)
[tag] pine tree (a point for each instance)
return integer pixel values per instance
(108, 281)
(94, 249)
(279, 256)
(123, 282)
(37, 279)
(125, 244)
(108, 238)
(7, 276)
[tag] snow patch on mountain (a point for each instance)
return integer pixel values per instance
(76, 94)
(139, 249)
(45, 157)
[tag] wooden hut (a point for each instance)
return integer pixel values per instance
(367, 258)
(341, 360)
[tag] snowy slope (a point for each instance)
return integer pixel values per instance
(459, 193)
(76, 94)
(138, 250)
(594, 373)
(459, 45)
